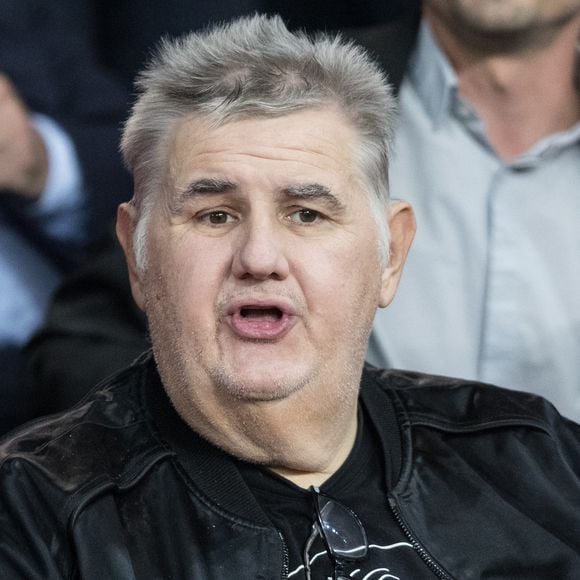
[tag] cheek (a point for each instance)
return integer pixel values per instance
(187, 277)
(343, 280)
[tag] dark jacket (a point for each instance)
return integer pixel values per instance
(489, 487)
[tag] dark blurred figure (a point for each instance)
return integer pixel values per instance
(60, 174)
(93, 329)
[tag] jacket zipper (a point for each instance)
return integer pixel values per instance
(423, 554)
(285, 556)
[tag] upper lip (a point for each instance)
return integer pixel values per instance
(285, 306)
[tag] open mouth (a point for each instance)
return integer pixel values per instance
(258, 313)
(265, 322)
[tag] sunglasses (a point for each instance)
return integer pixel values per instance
(341, 530)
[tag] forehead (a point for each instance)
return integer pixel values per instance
(308, 145)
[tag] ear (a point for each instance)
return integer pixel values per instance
(402, 230)
(126, 222)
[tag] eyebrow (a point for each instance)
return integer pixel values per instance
(207, 185)
(299, 192)
(313, 191)
(200, 187)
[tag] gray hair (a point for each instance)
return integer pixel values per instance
(255, 67)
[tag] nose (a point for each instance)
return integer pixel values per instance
(259, 252)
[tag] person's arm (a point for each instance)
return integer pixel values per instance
(23, 155)
(47, 54)
(42, 192)
(60, 211)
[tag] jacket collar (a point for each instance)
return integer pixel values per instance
(211, 470)
(457, 405)
(214, 473)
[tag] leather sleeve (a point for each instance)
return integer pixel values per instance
(32, 538)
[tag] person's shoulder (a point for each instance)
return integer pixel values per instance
(458, 404)
(96, 439)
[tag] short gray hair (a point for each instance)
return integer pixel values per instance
(255, 67)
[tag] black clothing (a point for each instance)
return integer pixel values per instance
(119, 487)
(391, 44)
(372, 467)
(94, 329)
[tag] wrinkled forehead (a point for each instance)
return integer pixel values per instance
(308, 146)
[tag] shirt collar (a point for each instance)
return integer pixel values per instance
(436, 85)
(432, 76)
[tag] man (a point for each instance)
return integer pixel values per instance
(488, 151)
(251, 443)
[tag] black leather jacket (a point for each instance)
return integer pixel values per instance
(489, 488)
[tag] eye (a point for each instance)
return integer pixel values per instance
(305, 216)
(217, 218)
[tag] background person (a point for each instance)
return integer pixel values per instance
(488, 152)
(60, 175)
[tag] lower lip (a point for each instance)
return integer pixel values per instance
(261, 328)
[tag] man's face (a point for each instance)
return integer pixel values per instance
(264, 270)
(506, 16)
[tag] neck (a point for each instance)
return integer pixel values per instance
(523, 94)
(329, 459)
(304, 438)
(302, 441)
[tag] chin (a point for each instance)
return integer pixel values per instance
(259, 385)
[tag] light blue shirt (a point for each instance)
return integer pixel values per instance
(27, 278)
(491, 290)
